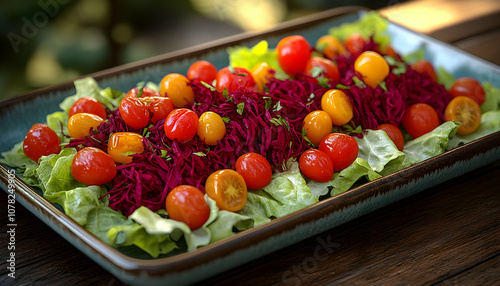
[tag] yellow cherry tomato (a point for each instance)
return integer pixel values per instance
(330, 46)
(372, 67)
(317, 124)
(338, 106)
(175, 86)
(122, 144)
(228, 189)
(211, 128)
(79, 125)
(261, 73)
(465, 110)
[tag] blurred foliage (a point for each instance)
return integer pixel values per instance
(50, 41)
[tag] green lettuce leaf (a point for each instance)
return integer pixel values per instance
(286, 193)
(492, 100)
(58, 121)
(226, 222)
(89, 87)
(490, 123)
(430, 144)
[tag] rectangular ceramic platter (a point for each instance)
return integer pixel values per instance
(234, 251)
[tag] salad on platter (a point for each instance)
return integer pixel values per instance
(176, 165)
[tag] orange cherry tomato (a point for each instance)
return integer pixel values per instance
(234, 79)
(394, 133)
(91, 166)
(338, 106)
(372, 67)
(176, 87)
(41, 141)
(122, 144)
(134, 112)
(316, 165)
(144, 92)
(293, 52)
(465, 110)
(425, 67)
(202, 71)
(187, 204)
(181, 124)
(330, 46)
(262, 73)
(467, 86)
(228, 189)
(355, 43)
(329, 68)
(88, 105)
(341, 148)
(211, 128)
(80, 124)
(420, 119)
(317, 124)
(255, 169)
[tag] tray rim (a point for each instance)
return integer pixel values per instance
(115, 259)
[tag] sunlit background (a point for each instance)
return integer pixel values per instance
(51, 41)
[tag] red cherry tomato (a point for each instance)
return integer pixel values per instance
(316, 165)
(88, 105)
(159, 106)
(134, 112)
(187, 204)
(255, 170)
(293, 52)
(420, 119)
(355, 43)
(41, 141)
(235, 79)
(202, 71)
(467, 86)
(181, 124)
(91, 166)
(341, 148)
(395, 134)
(425, 67)
(330, 69)
(145, 92)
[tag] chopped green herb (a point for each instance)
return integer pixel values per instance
(358, 82)
(382, 85)
(212, 88)
(240, 108)
(341, 86)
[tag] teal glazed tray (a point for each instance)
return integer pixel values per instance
(190, 267)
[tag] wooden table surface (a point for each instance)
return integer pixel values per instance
(446, 235)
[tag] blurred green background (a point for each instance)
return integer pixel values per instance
(46, 42)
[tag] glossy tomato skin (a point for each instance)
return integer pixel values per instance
(330, 69)
(88, 105)
(255, 169)
(134, 112)
(330, 46)
(176, 87)
(419, 119)
(91, 166)
(181, 124)
(120, 143)
(465, 110)
(145, 92)
(262, 73)
(187, 204)
(470, 87)
(228, 189)
(355, 43)
(394, 133)
(425, 67)
(338, 106)
(372, 67)
(293, 52)
(211, 128)
(316, 165)
(317, 124)
(160, 107)
(241, 78)
(202, 71)
(80, 124)
(341, 148)
(40, 141)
